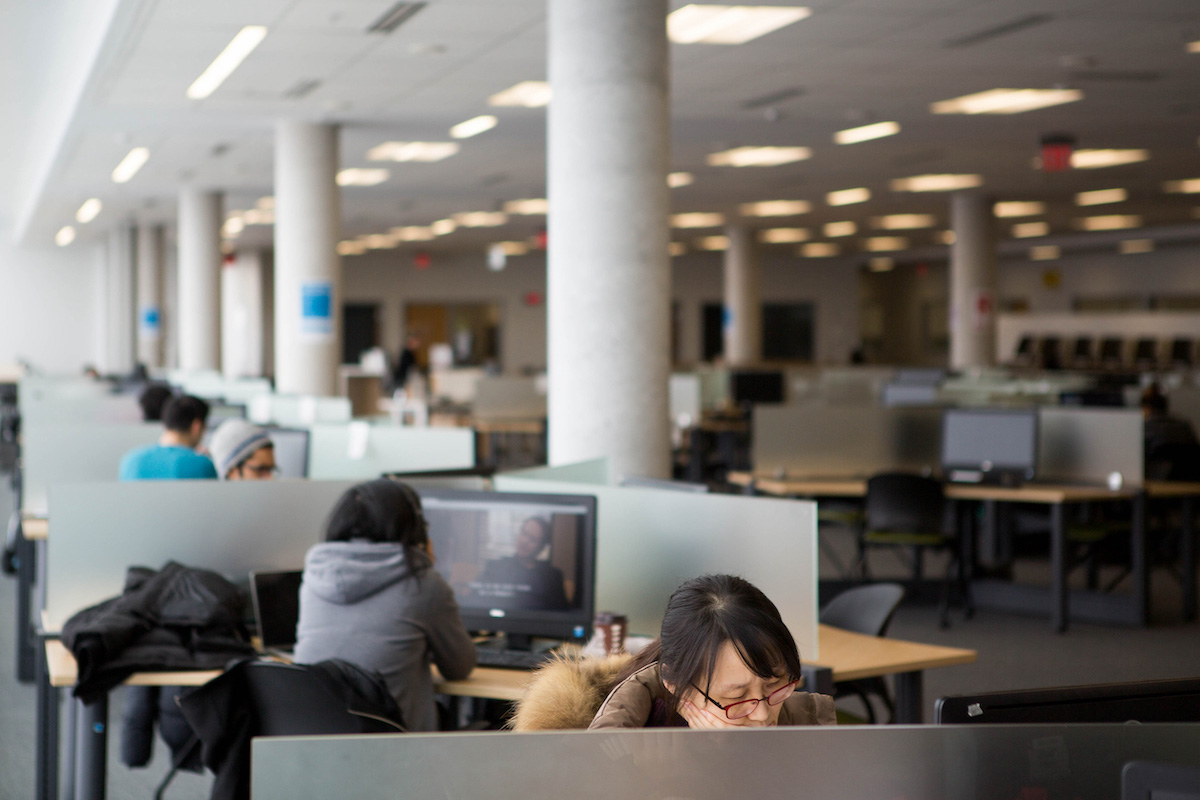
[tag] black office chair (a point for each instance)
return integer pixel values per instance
(1049, 356)
(905, 510)
(1111, 352)
(1145, 353)
(1025, 351)
(867, 610)
(1081, 353)
(1181, 352)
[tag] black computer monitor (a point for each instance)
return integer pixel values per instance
(1144, 701)
(748, 387)
(1147, 780)
(520, 564)
(218, 412)
(291, 451)
(989, 445)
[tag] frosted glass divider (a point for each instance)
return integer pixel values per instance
(597, 471)
(70, 453)
(336, 451)
(1088, 444)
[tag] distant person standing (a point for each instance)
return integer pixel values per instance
(175, 456)
(407, 362)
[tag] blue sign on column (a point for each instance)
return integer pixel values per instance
(150, 321)
(316, 309)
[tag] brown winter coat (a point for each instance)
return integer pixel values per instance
(579, 693)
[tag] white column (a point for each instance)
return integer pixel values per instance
(199, 280)
(972, 281)
(242, 316)
(119, 275)
(608, 272)
(150, 254)
(743, 299)
(308, 269)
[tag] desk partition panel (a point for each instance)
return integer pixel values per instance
(597, 471)
(880, 762)
(651, 540)
(296, 410)
(499, 397)
(820, 440)
(74, 452)
(362, 451)
(99, 530)
(1086, 445)
(79, 408)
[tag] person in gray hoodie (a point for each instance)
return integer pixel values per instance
(369, 595)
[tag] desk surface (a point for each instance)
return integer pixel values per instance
(849, 655)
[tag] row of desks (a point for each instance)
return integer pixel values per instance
(1058, 599)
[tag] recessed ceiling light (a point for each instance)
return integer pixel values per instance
(677, 179)
(531, 206)
(266, 203)
(784, 235)
(836, 229)
(88, 211)
(723, 24)
(947, 237)
(904, 222)
(1100, 197)
(258, 216)
(443, 227)
(512, 248)
(1190, 186)
(776, 208)
(1028, 230)
(877, 244)
(936, 183)
(819, 250)
(355, 176)
(130, 164)
(233, 227)
(1130, 247)
(473, 127)
(380, 241)
(1109, 222)
(866, 133)
(349, 247)
(65, 235)
(527, 94)
(1006, 101)
(712, 243)
(413, 233)
(846, 197)
(227, 61)
(1018, 208)
(676, 249)
(1193, 47)
(758, 156)
(481, 219)
(1045, 252)
(1098, 159)
(881, 264)
(425, 152)
(697, 219)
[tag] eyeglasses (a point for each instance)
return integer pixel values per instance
(744, 708)
(262, 470)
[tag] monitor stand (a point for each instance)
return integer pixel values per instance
(509, 641)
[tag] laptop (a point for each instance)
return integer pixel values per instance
(276, 600)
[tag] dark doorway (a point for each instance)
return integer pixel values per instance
(713, 331)
(787, 332)
(360, 330)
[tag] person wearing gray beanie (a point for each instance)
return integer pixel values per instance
(242, 451)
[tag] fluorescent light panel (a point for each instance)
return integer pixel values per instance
(1006, 101)
(947, 237)
(512, 248)
(1098, 159)
(473, 127)
(413, 233)
(531, 206)
(724, 24)
(904, 222)
(819, 250)
(425, 152)
(526, 94)
(1130, 247)
(1190, 186)
(1193, 47)
(866, 133)
(233, 227)
(355, 176)
(227, 61)
(351, 248)
(1109, 222)
(846, 197)
(882, 244)
(676, 248)
(1045, 252)
(713, 243)
(758, 156)
(1028, 230)
(130, 164)
(697, 219)
(65, 235)
(936, 183)
(678, 179)
(844, 228)
(481, 219)
(1018, 208)
(776, 208)
(784, 235)
(881, 264)
(1100, 197)
(88, 211)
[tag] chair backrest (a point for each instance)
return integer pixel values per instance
(1110, 350)
(1083, 348)
(864, 609)
(1145, 351)
(1181, 351)
(290, 700)
(900, 502)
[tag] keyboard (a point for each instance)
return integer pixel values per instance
(511, 659)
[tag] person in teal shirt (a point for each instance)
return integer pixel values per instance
(175, 456)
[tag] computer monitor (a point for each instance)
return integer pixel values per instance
(520, 564)
(1146, 780)
(989, 445)
(1175, 700)
(291, 451)
(219, 412)
(756, 386)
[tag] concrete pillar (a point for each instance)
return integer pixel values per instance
(150, 257)
(972, 281)
(119, 292)
(242, 316)
(608, 272)
(308, 269)
(199, 280)
(743, 299)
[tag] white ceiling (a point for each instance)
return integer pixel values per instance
(853, 62)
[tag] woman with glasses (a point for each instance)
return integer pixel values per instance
(724, 659)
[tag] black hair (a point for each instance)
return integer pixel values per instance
(152, 400)
(1154, 401)
(701, 616)
(180, 412)
(382, 510)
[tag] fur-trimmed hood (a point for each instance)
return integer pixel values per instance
(566, 692)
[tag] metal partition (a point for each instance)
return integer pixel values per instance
(651, 540)
(54, 453)
(1086, 445)
(361, 451)
(99, 530)
(930, 763)
(824, 441)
